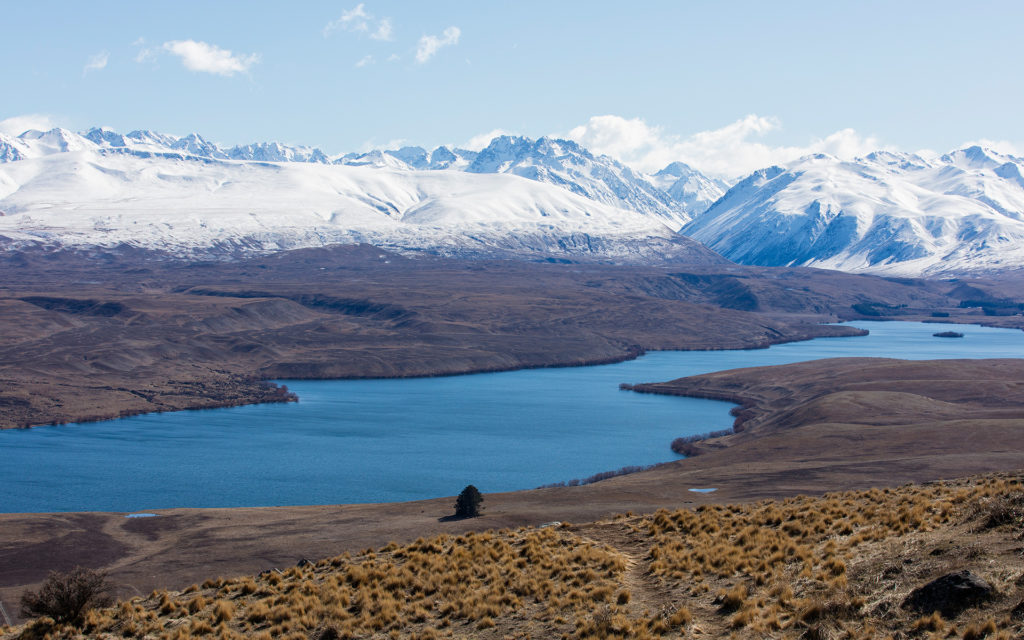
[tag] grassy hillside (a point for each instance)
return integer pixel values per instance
(841, 565)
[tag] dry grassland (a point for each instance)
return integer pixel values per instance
(837, 566)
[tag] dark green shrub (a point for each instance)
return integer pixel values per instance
(467, 505)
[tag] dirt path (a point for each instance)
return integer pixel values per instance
(643, 588)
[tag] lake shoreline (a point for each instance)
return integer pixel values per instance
(799, 442)
(260, 393)
(157, 486)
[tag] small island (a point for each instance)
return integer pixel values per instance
(948, 334)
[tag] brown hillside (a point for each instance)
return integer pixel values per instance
(843, 565)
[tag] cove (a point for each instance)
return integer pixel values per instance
(350, 441)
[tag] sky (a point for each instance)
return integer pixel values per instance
(727, 86)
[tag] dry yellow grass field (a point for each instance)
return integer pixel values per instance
(836, 566)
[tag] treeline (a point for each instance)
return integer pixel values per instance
(687, 445)
(684, 446)
(597, 477)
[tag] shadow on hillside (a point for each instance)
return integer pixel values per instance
(455, 518)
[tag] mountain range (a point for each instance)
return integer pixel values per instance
(674, 194)
(886, 212)
(187, 196)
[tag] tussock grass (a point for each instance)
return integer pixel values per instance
(811, 567)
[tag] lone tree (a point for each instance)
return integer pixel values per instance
(66, 597)
(467, 505)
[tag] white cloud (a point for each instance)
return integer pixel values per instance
(480, 141)
(728, 152)
(383, 31)
(209, 58)
(365, 60)
(353, 20)
(96, 62)
(359, 20)
(145, 54)
(429, 45)
(17, 125)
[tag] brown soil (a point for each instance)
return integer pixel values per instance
(86, 337)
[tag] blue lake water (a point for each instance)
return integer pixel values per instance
(394, 440)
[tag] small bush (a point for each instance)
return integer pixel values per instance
(66, 597)
(1002, 510)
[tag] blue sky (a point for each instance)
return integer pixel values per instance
(719, 84)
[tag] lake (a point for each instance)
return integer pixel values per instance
(352, 441)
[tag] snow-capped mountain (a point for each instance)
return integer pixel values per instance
(673, 197)
(36, 144)
(277, 152)
(104, 195)
(887, 212)
(689, 187)
(412, 158)
(674, 194)
(568, 165)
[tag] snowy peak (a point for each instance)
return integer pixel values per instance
(376, 158)
(502, 154)
(105, 137)
(35, 144)
(689, 187)
(151, 138)
(53, 141)
(675, 171)
(562, 163)
(976, 157)
(104, 198)
(673, 196)
(413, 157)
(887, 212)
(446, 158)
(194, 144)
(897, 162)
(277, 152)
(566, 164)
(11, 149)
(506, 154)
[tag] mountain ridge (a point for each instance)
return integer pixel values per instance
(563, 163)
(174, 201)
(887, 212)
